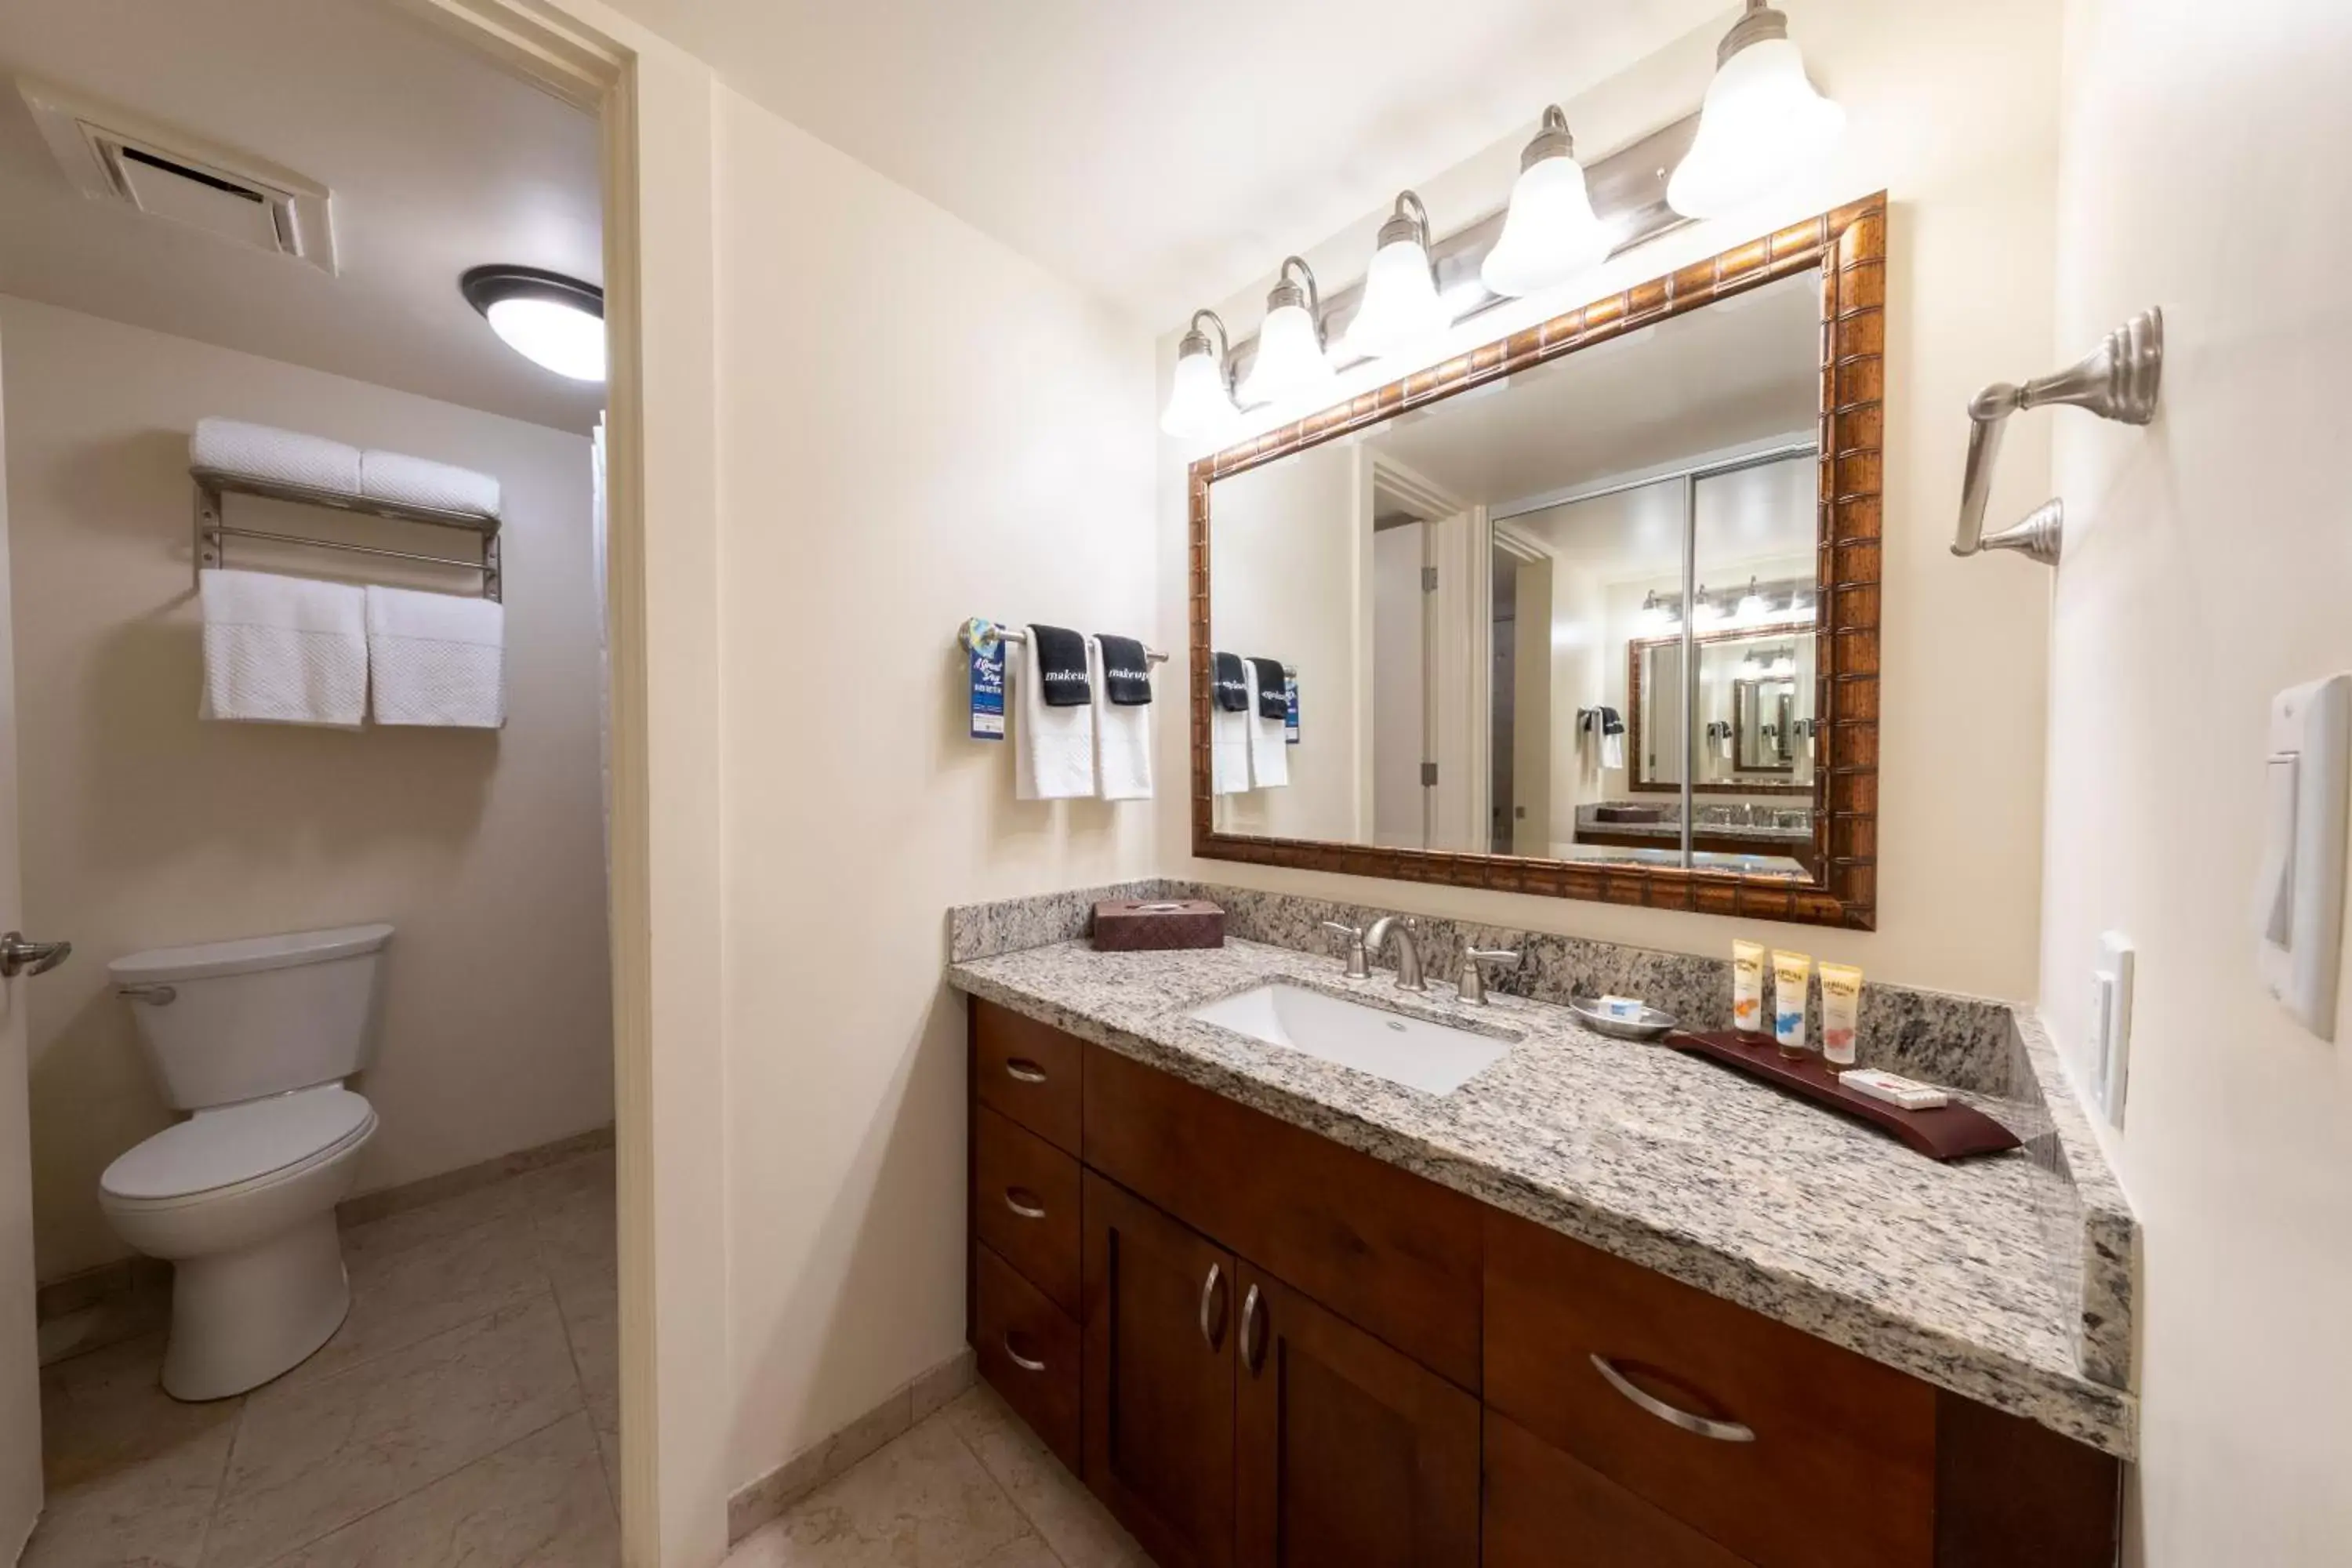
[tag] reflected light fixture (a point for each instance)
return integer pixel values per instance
(1705, 612)
(1751, 603)
(1761, 125)
(1550, 232)
(1658, 614)
(555, 321)
(1291, 358)
(1401, 308)
(1200, 394)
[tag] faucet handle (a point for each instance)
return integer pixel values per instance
(1357, 967)
(1471, 981)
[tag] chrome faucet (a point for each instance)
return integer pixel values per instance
(1472, 981)
(1408, 951)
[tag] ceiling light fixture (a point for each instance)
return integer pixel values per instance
(1401, 308)
(1290, 357)
(1550, 232)
(555, 321)
(1200, 394)
(1762, 123)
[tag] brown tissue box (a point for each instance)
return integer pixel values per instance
(1127, 925)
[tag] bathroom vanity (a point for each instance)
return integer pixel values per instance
(1601, 1304)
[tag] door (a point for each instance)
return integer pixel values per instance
(1346, 1451)
(1159, 1384)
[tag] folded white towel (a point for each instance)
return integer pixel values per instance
(1612, 750)
(281, 457)
(435, 658)
(1229, 729)
(420, 481)
(283, 650)
(1053, 748)
(1269, 758)
(1122, 739)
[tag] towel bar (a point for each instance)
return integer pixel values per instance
(1015, 634)
(211, 484)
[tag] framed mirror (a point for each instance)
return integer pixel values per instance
(1591, 611)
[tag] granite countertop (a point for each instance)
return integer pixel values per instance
(1943, 1271)
(1755, 830)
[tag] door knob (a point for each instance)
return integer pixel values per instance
(18, 956)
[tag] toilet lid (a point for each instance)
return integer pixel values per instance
(238, 1143)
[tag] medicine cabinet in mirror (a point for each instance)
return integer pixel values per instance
(1591, 612)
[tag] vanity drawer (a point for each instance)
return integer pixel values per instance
(1025, 1204)
(1840, 1470)
(1027, 1349)
(1543, 1510)
(1026, 1070)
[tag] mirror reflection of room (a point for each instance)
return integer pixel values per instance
(1525, 615)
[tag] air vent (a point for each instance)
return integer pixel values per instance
(110, 154)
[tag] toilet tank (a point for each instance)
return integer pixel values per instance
(228, 1021)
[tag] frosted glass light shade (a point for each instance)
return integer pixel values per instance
(1401, 305)
(1198, 403)
(552, 334)
(1290, 360)
(1550, 232)
(1761, 125)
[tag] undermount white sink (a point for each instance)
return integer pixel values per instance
(1436, 1059)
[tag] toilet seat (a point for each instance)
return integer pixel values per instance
(255, 1144)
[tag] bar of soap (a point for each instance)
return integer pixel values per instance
(1627, 1008)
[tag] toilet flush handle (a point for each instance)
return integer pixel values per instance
(159, 995)
(18, 956)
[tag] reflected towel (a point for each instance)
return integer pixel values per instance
(1229, 764)
(1269, 760)
(435, 658)
(1122, 735)
(283, 650)
(1053, 748)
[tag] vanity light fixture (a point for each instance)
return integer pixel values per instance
(555, 321)
(1705, 612)
(1290, 357)
(1200, 394)
(1659, 614)
(1550, 232)
(1761, 125)
(1751, 603)
(1401, 307)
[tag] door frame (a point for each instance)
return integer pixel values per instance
(654, 107)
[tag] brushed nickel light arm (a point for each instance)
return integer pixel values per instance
(2118, 380)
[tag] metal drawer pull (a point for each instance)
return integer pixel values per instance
(1253, 1331)
(1721, 1431)
(1023, 1201)
(1024, 1069)
(1210, 1296)
(1023, 1361)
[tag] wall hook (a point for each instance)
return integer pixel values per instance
(2118, 380)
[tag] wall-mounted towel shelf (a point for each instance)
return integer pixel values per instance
(212, 530)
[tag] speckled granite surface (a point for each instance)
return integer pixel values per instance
(1950, 1272)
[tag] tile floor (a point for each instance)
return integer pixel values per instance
(967, 1487)
(467, 1412)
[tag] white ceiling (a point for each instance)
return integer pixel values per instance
(436, 160)
(1162, 156)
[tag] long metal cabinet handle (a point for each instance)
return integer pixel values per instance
(1210, 1296)
(1721, 1431)
(1023, 1361)
(1024, 1069)
(1023, 1201)
(1253, 1331)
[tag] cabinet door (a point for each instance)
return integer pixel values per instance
(1545, 1511)
(1347, 1451)
(1159, 1383)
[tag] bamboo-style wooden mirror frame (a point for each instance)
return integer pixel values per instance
(1847, 248)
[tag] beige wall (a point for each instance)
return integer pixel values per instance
(146, 827)
(915, 427)
(1953, 112)
(2207, 566)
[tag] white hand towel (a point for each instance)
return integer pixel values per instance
(280, 456)
(435, 658)
(1122, 738)
(283, 650)
(1612, 750)
(1229, 730)
(420, 481)
(1269, 761)
(1053, 748)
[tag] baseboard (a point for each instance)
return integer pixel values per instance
(387, 1201)
(759, 1501)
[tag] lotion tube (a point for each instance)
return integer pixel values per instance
(1747, 987)
(1841, 1012)
(1792, 974)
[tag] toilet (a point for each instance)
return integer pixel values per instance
(256, 1037)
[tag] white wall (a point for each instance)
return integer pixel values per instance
(915, 425)
(1952, 107)
(2208, 565)
(144, 827)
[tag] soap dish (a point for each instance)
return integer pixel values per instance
(1651, 1024)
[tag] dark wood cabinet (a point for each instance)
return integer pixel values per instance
(1347, 1451)
(1159, 1378)
(1544, 1510)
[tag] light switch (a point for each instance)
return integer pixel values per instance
(2111, 1011)
(2299, 894)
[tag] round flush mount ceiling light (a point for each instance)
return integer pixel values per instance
(555, 321)
(1200, 394)
(1762, 123)
(1550, 232)
(1291, 358)
(1401, 308)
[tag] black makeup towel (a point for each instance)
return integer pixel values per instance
(1126, 679)
(1232, 685)
(1271, 702)
(1059, 657)
(1610, 723)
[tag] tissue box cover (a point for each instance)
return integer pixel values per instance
(1127, 925)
